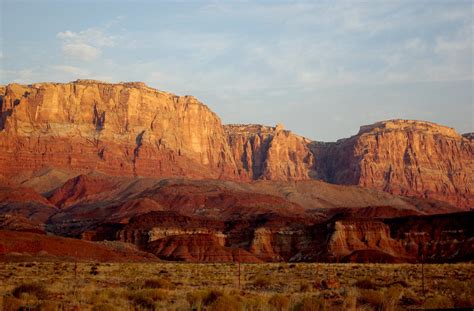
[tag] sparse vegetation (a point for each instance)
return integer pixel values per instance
(279, 302)
(310, 304)
(204, 287)
(159, 283)
(32, 289)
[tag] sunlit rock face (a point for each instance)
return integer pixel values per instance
(272, 153)
(118, 129)
(129, 129)
(411, 158)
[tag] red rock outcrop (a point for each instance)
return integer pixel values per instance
(118, 129)
(23, 209)
(129, 129)
(15, 244)
(410, 158)
(273, 153)
(170, 236)
(198, 247)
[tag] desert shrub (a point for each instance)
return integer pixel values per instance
(50, 306)
(33, 289)
(146, 298)
(143, 302)
(329, 283)
(94, 270)
(306, 287)
(200, 298)
(11, 304)
(463, 301)
(402, 283)
(392, 297)
(409, 298)
(195, 299)
(372, 297)
(365, 284)
(279, 302)
(211, 296)
(253, 302)
(227, 303)
(309, 304)
(104, 307)
(261, 282)
(159, 283)
(438, 302)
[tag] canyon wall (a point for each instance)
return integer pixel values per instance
(410, 158)
(118, 129)
(273, 153)
(435, 238)
(129, 129)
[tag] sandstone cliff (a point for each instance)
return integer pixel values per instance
(119, 129)
(273, 153)
(128, 129)
(411, 158)
(170, 236)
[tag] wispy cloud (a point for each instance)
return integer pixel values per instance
(304, 59)
(85, 45)
(75, 71)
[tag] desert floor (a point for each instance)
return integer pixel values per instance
(193, 286)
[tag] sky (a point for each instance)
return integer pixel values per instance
(322, 68)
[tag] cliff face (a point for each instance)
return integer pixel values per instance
(272, 153)
(439, 238)
(129, 129)
(411, 158)
(119, 129)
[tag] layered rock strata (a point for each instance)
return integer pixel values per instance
(118, 129)
(410, 158)
(130, 129)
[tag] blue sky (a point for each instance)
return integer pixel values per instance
(322, 68)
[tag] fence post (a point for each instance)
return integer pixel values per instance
(238, 264)
(423, 274)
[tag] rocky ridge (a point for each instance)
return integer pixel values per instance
(130, 129)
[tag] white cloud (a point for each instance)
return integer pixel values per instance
(81, 51)
(71, 70)
(85, 45)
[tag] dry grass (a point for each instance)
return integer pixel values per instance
(279, 286)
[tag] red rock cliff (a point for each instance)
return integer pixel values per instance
(129, 129)
(412, 158)
(273, 153)
(119, 129)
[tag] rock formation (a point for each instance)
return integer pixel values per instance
(272, 153)
(410, 158)
(14, 245)
(53, 131)
(440, 238)
(118, 129)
